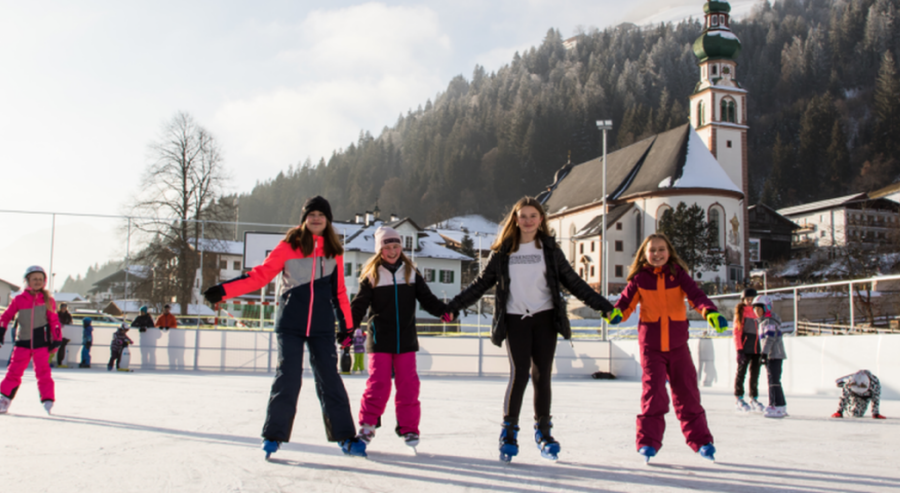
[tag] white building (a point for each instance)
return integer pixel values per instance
(839, 221)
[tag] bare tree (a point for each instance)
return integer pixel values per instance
(181, 188)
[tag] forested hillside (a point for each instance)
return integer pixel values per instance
(824, 117)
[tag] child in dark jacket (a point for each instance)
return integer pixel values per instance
(748, 353)
(658, 280)
(390, 286)
(119, 341)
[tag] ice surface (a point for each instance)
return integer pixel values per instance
(182, 431)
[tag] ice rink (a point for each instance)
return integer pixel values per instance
(187, 431)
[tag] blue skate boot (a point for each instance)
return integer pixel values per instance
(270, 447)
(548, 446)
(648, 452)
(353, 447)
(509, 447)
(708, 451)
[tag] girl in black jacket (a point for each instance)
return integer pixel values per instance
(529, 269)
(390, 285)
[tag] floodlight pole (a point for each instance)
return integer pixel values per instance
(604, 126)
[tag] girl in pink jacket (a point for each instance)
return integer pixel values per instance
(39, 328)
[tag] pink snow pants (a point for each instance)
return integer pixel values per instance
(676, 366)
(378, 390)
(20, 358)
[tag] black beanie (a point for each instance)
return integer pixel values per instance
(317, 203)
(749, 293)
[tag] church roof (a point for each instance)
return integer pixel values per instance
(594, 227)
(677, 158)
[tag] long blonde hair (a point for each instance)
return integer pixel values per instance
(370, 270)
(510, 231)
(640, 258)
(301, 239)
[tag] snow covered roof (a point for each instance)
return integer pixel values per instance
(476, 226)
(429, 242)
(134, 306)
(594, 227)
(12, 286)
(67, 297)
(822, 204)
(220, 246)
(670, 160)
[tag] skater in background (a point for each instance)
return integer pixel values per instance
(87, 340)
(166, 320)
(529, 271)
(119, 341)
(146, 339)
(311, 292)
(859, 389)
(748, 353)
(38, 329)
(359, 350)
(659, 281)
(770, 333)
(65, 318)
(390, 286)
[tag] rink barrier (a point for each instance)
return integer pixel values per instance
(812, 365)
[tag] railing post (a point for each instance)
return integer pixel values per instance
(796, 314)
(850, 292)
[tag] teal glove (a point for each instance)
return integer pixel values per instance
(717, 321)
(614, 316)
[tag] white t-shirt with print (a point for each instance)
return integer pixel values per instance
(528, 290)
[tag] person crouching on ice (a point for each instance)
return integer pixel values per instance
(659, 281)
(38, 328)
(390, 285)
(311, 291)
(859, 389)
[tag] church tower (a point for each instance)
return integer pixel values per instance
(719, 103)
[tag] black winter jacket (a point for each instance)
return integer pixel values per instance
(559, 273)
(393, 307)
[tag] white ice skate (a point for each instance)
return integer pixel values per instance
(412, 441)
(48, 405)
(4, 404)
(776, 412)
(366, 433)
(757, 406)
(741, 405)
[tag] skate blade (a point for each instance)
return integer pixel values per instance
(505, 458)
(549, 456)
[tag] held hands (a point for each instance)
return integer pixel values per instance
(344, 338)
(447, 317)
(717, 321)
(614, 317)
(214, 294)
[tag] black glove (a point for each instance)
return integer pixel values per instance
(214, 294)
(344, 338)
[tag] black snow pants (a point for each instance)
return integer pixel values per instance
(753, 361)
(531, 346)
(286, 388)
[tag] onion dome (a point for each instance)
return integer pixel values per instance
(717, 40)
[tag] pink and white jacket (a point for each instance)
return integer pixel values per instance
(310, 290)
(38, 323)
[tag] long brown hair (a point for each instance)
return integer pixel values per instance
(640, 258)
(370, 270)
(510, 232)
(301, 239)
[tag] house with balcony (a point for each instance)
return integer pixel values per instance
(853, 219)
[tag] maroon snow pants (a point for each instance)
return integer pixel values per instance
(677, 367)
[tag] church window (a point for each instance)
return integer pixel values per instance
(581, 272)
(592, 246)
(638, 232)
(727, 110)
(572, 232)
(659, 214)
(715, 20)
(592, 271)
(715, 70)
(722, 20)
(700, 114)
(726, 70)
(716, 216)
(581, 248)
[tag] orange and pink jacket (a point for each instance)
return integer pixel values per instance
(38, 323)
(310, 291)
(661, 292)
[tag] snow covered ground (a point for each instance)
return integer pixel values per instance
(184, 431)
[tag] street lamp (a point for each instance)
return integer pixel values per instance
(604, 126)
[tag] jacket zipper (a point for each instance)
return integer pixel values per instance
(396, 310)
(312, 292)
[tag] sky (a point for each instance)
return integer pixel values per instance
(86, 86)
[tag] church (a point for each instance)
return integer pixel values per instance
(702, 162)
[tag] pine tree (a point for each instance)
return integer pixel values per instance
(887, 108)
(839, 169)
(692, 237)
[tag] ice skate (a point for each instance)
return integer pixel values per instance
(270, 447)
(648, 452)
(509, 446)
(708, 451)
(548, 446)
(741, 405)
(366, 434)
(48, 405)
(4, 404)
(776, 412)
(412, 441)
(353, 447)
(757, 406)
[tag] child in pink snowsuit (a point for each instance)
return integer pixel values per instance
(38, 328)
(390, 285)
(659, 281)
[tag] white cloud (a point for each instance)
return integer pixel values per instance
(358, 68)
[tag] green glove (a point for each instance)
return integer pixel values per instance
(717, 321)
(614, 316)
